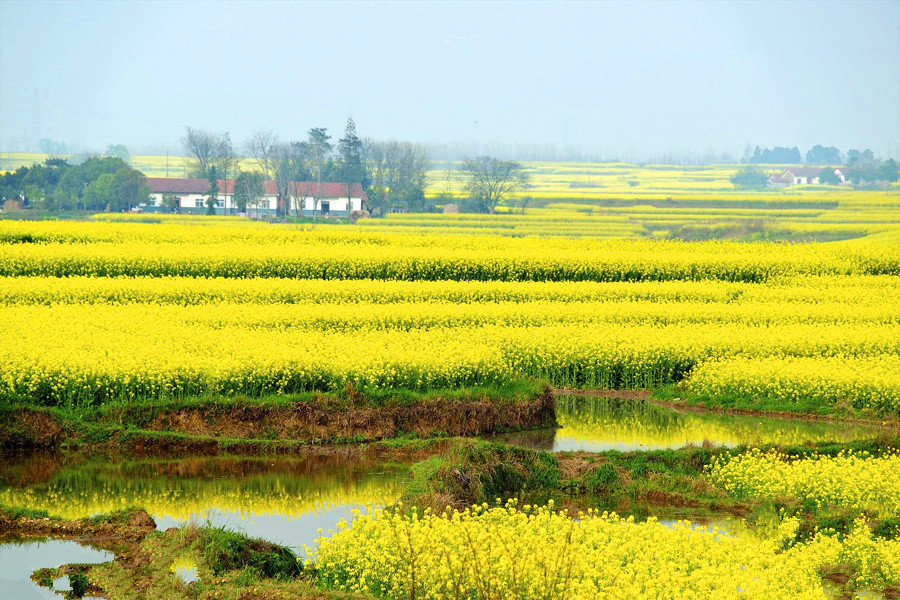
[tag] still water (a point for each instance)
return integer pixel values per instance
(289, 500)
(283, 500)
(286, 501)
(18, 560)
(597, 424)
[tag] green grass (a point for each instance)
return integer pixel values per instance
(661, 483)
(225, 550)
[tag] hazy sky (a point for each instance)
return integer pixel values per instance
(630, 78)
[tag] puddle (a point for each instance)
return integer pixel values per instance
(285, 501)
(18, 560)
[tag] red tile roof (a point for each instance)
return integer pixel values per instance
(163, 185)
(806, 171)
(308, 189)
(175, 185)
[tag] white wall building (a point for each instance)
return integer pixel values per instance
(189, 196)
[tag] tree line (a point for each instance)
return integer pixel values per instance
(97, 184)
(863, 175)
(817, 155)
(393, 173)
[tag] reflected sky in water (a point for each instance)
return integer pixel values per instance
(19, 560)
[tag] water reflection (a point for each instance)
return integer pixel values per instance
(20, 559)
(283, 500)
(597, 424)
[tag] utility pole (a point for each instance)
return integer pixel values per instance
(167, 163)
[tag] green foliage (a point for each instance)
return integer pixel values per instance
(79, 583)
(776, 156)
(212, 174)
(750, 177)
(828, 176)
(96, 184)
(248, 189)
(602, 479)
(821, 155)
(225, 551)
(472, 472)
(119, 151)
(350, 151)
(16, 512)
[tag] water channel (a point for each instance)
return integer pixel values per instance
(290, 500)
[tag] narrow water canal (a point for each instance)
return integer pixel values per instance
(598, 424)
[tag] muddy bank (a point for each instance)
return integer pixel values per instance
(252, 426)
(228, 565)
(131, 526)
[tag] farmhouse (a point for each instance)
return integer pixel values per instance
(803, 176)
(189, 196)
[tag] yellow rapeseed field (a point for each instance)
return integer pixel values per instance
(536, 553)
(851, 480)
(121, 310)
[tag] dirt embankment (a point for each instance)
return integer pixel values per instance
(304, 421)
(204, 428)
(129, 527)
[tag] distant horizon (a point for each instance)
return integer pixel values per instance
(574, 155)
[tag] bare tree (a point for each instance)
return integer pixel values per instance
(284, 168)
(261, 146)
(398, 171)
(206, 150)
(490, 180)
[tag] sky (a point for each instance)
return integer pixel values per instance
(615, 80)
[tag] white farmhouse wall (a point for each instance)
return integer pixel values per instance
(334, 204)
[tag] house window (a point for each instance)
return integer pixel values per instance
(220, 204)
(199, 202)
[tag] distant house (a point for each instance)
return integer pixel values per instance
(803, 176)
(329, 199)
(190, 195)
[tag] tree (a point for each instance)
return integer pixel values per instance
(119, 151)
(398, 174)
(34, 196)
(170, 202)
(350, 150)
(820, 155)
(207, 150)
(100, 194)
(750, 177)
(288, 164)
(213, 192)
(887, 171)
(490, 180)
(248, 189)
(261, 147)
(130, 189)
(318, 145)
(827, 176)
(63, 186)
(778, 155)
(855, 158)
